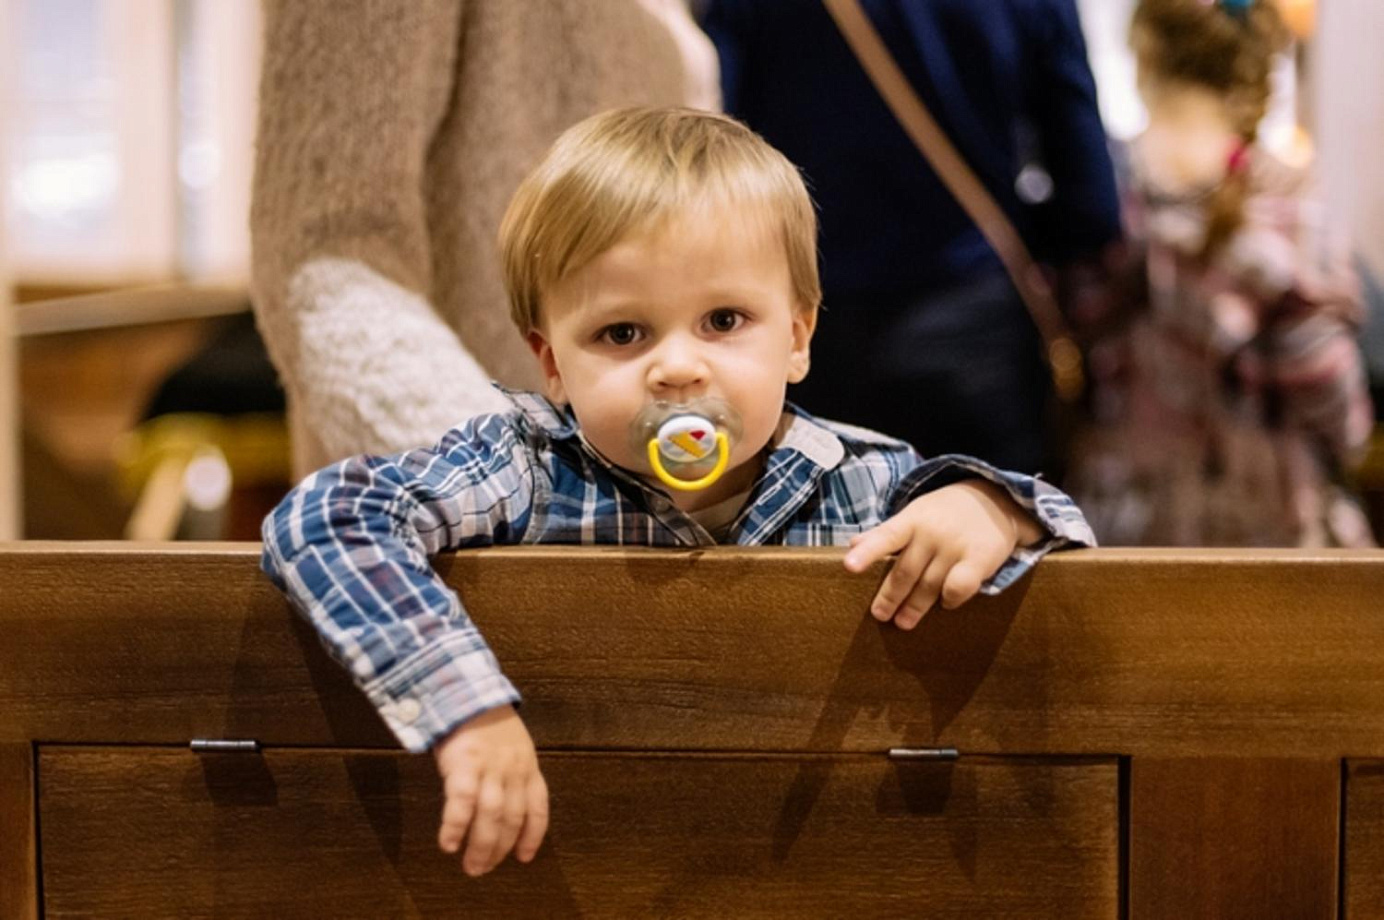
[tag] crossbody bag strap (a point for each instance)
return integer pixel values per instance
(1064, 358)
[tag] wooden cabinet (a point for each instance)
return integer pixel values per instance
(1363, 810)
(158, 832)
(1151, 735)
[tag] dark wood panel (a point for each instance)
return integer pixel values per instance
(1167, 653)
(1224, 839)
(1364, 840)
(165, 833)
(18, 852)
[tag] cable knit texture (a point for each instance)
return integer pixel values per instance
(391, 136)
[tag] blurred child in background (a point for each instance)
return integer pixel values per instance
(1228, 391)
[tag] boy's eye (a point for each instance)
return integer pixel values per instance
(620, 334)
(725, 320)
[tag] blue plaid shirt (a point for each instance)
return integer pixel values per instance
(350, 545)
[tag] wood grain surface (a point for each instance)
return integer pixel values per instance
(18, 843)
(1234, 838)
(154, 833)
(1268, 654)
(1364, 839)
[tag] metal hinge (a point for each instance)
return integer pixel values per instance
(222, 746)
(923, 754)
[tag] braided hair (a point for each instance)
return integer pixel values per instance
(1228, 47)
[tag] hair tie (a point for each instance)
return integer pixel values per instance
(1238, 160)
(1237, 8)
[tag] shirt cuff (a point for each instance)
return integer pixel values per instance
(1052, 508)
(427, 696)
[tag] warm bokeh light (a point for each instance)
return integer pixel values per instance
(1301, 16)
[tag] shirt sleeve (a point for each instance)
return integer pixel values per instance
(352, 93)
(350, 548)
(1053, 509)
(1083, 214)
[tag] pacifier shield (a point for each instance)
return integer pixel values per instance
(687, 439)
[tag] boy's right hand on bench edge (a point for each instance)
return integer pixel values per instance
(496, 798)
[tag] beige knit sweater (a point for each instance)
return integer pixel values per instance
(391, 136)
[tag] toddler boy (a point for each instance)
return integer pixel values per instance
(659, 261)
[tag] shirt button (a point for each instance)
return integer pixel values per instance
(407, 711)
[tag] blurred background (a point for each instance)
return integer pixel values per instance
(126, 151)
(134, 399)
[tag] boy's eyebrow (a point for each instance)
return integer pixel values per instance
(733, 295)
(592, 312)
(594, 308)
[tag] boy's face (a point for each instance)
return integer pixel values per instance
(701, 306)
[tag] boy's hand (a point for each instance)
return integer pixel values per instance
(493, 790)
(948, 541)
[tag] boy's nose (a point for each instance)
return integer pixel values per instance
(677, 370)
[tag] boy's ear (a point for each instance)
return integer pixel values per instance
(544, 353)
(800, 358)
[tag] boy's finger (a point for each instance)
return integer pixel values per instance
(922, 598)
(899, 582)
(909, 617)
(924, 594)
(874, 545)
(536, 821)
(962, 583)
(457, 810)
(485, 827)
(511, 817)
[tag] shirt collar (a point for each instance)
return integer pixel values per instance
(558, 422)
(798, 431)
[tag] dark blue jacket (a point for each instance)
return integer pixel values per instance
(1007, 79)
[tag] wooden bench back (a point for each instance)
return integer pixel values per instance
(1141, 733)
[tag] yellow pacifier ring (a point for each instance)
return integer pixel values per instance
(690, 485)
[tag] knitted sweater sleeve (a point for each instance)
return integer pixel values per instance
(351, 94)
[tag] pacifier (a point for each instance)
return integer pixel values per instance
(680, 439)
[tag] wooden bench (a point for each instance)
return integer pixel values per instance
(1150, 734)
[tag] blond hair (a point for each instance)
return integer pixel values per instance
(625, 171)
(1228, 49)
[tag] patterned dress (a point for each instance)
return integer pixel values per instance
(1228, 397)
